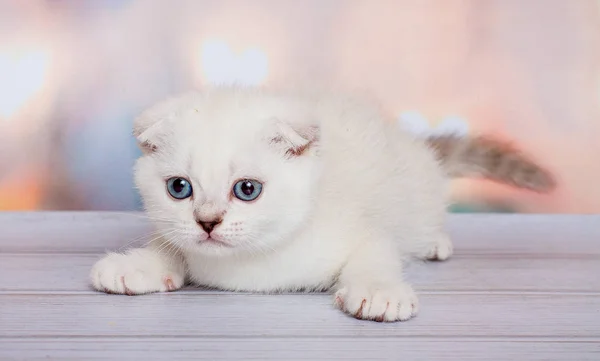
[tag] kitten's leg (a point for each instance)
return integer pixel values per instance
(370, 285)
(157, 268)
(440, 250)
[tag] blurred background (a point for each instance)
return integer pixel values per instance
(75, 73)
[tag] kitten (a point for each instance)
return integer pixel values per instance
(271, 191)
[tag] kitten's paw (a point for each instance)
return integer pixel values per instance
(380, 303)
(441, 250)
(137, 272)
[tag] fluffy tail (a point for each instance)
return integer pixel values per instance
(491, 159)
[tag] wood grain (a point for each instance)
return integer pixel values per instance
(38, 272)
(314, 348)
(519, 288)
(213, 314)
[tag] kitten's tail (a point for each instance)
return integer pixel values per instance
(491, 159)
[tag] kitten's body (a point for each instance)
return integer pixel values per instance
(347, 197)
(366, 188)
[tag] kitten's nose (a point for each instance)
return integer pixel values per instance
(208, 226)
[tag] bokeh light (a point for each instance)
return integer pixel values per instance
(222, 65)
(22, 75)
(74, 74)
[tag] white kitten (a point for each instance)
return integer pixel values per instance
(271, 191)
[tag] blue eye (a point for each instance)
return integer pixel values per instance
(179, 188)
(247, 190)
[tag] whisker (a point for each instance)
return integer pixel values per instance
(162, 235)
(151, 234)
(257, 242)
(176, 247)
(168, 244)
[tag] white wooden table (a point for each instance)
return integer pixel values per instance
(519, 288)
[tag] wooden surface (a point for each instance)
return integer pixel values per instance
(519, 288)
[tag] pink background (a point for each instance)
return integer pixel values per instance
(73, 74)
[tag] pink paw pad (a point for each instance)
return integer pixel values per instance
(168, 281)
(126, 290)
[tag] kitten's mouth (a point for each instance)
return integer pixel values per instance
(214, 242)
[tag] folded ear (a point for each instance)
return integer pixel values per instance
(295, 140)
(151, 126)
(145, 130)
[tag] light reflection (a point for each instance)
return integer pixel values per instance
(416, 123)
(221, 65)
(22, 75)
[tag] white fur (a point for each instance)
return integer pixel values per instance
(345, 214)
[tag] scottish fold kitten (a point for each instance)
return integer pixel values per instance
(257, 190)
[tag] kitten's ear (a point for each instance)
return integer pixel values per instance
(153, 127)
(145, 131)
(295, 140)
(149, 126)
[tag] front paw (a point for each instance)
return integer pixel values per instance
(137, 272)
(381, 303)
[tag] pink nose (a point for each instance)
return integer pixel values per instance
(208, 226)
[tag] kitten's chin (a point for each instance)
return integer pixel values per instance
(222, 248)
(212, 247)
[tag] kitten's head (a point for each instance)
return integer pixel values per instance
(229, 171)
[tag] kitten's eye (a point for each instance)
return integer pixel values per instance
(247, 190)
(179, 188)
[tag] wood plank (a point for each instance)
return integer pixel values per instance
(519, 288)
(308, 315)
(94, 232)
(44, 232)
(35, 272)
(410, 348)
